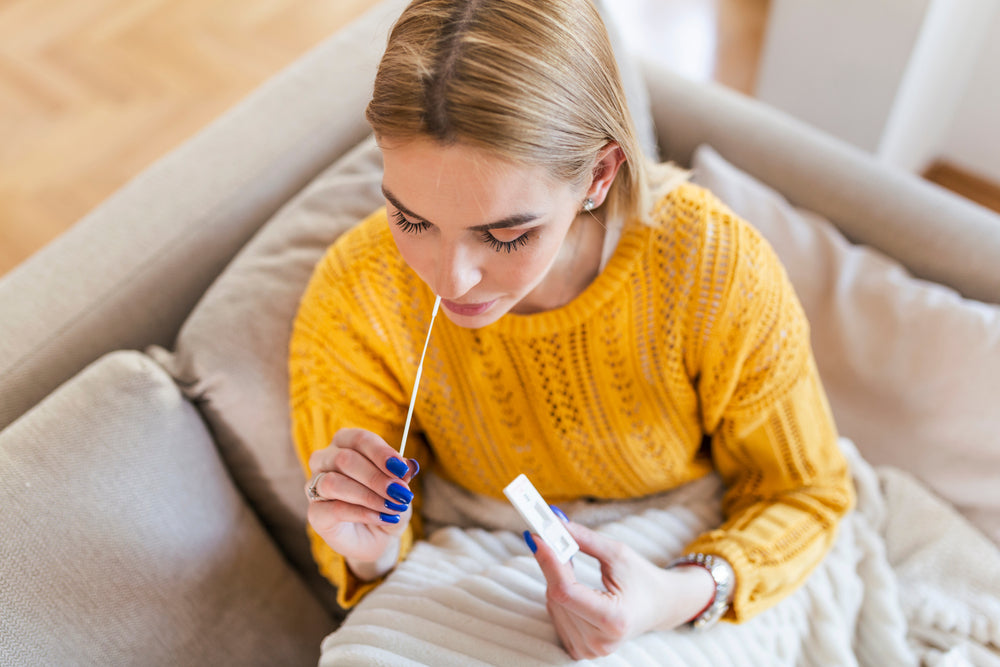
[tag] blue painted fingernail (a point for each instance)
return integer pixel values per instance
(530, 541)
(400, 493)
(397, 467)
(416, 466)
(389, 518)
(394, 507)
(559, 513)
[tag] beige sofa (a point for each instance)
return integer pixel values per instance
(151, 507)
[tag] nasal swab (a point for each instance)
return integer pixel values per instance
(416, 382)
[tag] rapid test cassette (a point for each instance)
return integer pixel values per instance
(543, 521)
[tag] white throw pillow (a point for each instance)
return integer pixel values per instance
(911, 368)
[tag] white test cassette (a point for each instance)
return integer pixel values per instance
(543, 521)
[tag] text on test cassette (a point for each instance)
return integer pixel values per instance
(543, 521)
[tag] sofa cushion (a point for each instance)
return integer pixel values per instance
(231, 354)
(125, 542)
(911, 368)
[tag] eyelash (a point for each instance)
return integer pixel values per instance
(496, 244)
(407, 226)
(505, 246)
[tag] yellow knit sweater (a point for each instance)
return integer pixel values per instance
(692, 332)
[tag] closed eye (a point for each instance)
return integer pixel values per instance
(409, 227)
(506, 246)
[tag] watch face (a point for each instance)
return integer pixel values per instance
(725, 579)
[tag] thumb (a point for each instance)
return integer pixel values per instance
(594, 544)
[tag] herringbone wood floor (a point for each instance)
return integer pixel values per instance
(93, 91)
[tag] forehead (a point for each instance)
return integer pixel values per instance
(441, 182)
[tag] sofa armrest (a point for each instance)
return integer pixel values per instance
(127, 274)
(935, 234)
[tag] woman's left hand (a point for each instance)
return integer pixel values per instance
(638, 596)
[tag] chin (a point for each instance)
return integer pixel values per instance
(471, 322)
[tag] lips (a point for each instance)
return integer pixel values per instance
(467, 309)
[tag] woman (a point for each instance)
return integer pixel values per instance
(610, 331)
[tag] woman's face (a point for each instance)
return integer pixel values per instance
(480, 231)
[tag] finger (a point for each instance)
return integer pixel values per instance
(318, 459)
(355, 466)
(373, 447)
(345, 438)
(350, 454)
(555, 573)
(369, 444)
(414, 466)
(325, 517)
(592, 543)
(564, 588)
(576, 632)
(334, 486)
(376, 450)
(589, 605)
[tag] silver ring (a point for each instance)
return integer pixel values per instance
(311, 493)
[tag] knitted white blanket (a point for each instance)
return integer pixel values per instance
(907, 582)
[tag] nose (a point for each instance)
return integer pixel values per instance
(456, 272)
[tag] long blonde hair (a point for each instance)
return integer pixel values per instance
(532, 81)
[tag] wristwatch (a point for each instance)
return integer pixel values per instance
(725, 586)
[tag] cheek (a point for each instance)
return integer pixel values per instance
(518, 272)
(523, 269)
(414, 250)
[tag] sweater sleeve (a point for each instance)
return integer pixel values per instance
(773, 438)
(340, 378)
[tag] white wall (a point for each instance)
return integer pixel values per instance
(679, 35)
(939, 71)
(837, 63)
(913, 80)
(974, 138)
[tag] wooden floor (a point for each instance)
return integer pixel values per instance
(965, 183)
(93, 91)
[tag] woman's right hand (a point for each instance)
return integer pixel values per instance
(364, 498)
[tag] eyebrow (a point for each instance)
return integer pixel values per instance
(510, 221)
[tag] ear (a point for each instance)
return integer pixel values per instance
(609, 161)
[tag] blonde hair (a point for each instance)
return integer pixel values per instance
(532, 81)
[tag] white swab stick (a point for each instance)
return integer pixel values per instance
(416, 382)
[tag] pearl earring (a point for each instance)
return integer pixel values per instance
(588, 204)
